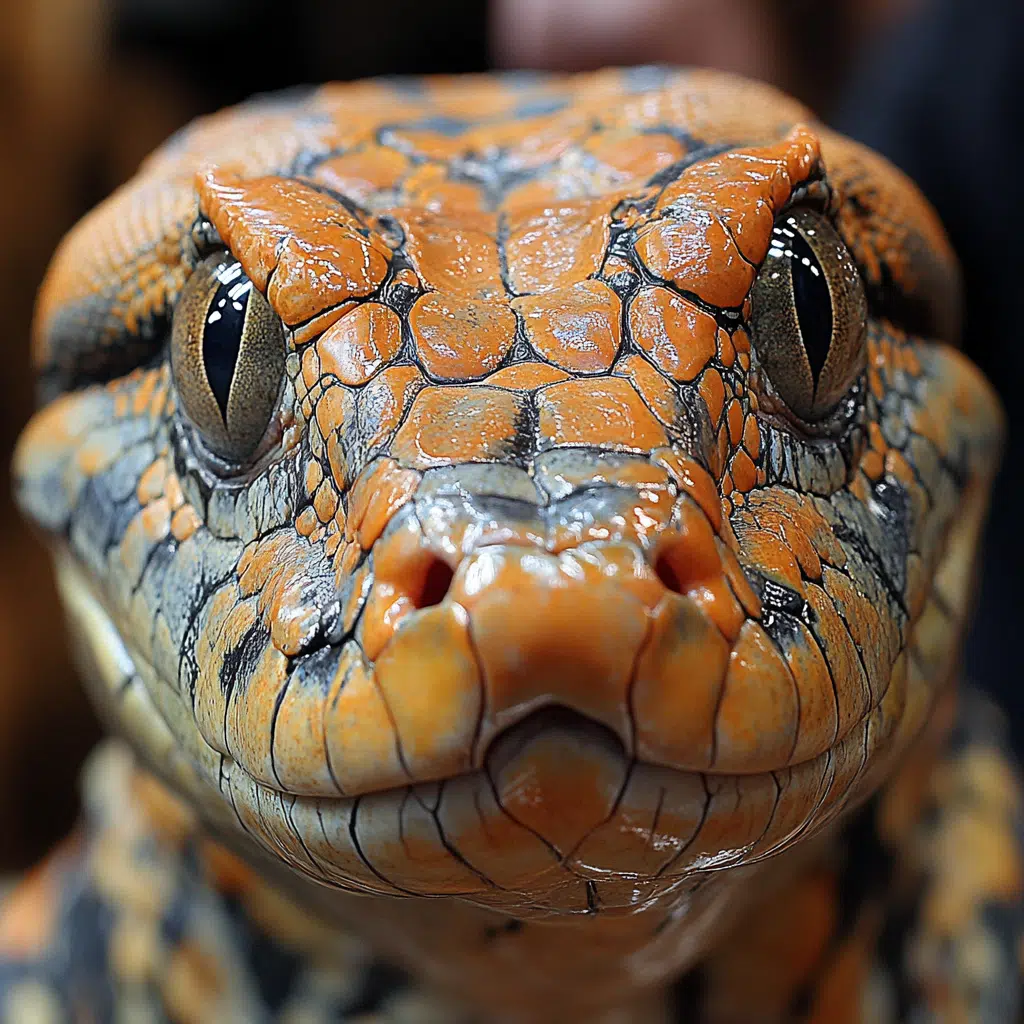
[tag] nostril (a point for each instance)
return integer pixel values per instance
(434, 585)
(667, 574)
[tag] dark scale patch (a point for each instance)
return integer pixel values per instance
(125, 513)
(174, 923)
(495, 176)
(866, 879)
(510, 927)
(524, 443)
(86, 927)
(895, 513)
(241, 661)
(380, 983)
(777, 598)
(273, 968)
(1004, 924)
(879, 533)
(624, 284)
(687, 997)
(93, 518)
(784, 629)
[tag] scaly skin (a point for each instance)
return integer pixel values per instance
(536, 598)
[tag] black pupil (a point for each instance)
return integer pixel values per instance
(810, 293)
(222, 331)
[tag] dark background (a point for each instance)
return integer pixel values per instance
(88, 87)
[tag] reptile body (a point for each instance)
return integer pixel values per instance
(524, 518)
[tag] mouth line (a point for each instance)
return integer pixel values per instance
(84, 599)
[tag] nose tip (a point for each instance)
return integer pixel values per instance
(559, 630)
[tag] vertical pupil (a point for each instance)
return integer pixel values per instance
(222, 331)
(810, 294)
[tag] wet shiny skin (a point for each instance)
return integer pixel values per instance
(536, 594)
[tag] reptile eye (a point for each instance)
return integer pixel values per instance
(808, 314)
(227, 357)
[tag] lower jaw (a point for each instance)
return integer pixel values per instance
(659, 832)
(662, 835)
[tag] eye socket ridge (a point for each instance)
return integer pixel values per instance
(227, 358)
(809, 314)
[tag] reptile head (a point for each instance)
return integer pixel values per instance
(544, 491)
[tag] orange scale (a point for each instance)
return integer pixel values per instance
(738, 581)
(743, 472)
(310, 367)
(605, 412)
(712, 390)
(526, 376)
(360, 343)
(151, 482)
(335, 410)
(722, 448)
(875, 437)
(361, 173)
(470, 97)
(675, 724)
(376, 497)
(306, 521)
(454, 253)
(679, 336)
(532, 142)
(311, 329)
(434, 147)
(911, 362)
(693, 479)
(449, 425)
(576, 328)
(726, 351)
(873, 465)
(734, 420)
(752, 436)
(458, 339)
(538, 191)
(636, 155)
(383, 401)
(319, 253)
(554, 246)
(766, 553)
(758, 716)
(652, 386)
(325, 502)
(698, 257)
(331, 544)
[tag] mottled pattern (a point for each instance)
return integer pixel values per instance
(537, 596)
(142, 919)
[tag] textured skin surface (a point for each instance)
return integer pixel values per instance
(536, 596)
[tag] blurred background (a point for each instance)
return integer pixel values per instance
(88, 87)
